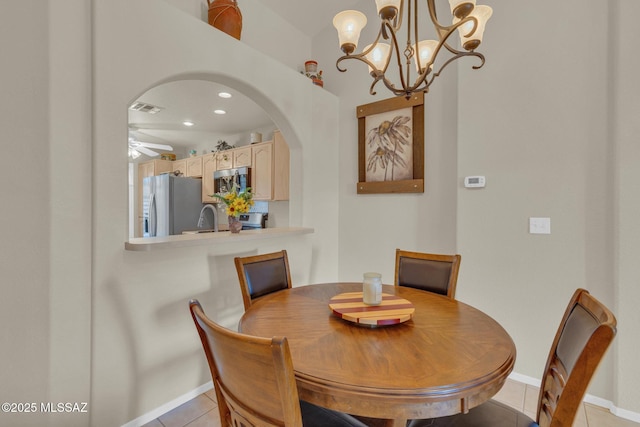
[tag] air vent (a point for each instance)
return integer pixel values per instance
(145, 108)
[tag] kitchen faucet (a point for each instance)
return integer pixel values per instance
(215, 216)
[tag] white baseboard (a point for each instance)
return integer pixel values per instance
(161, 410)
(588, 398)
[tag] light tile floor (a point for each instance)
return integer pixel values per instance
(202, 411)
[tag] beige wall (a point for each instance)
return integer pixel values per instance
(543, 143)
(625, 130)
(548, 121)
(145, 350)
(551, 122)
(24, 267)
(45, 249)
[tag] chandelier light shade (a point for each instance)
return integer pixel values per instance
(378, 55)
(349, 23)
(471, 39)
(467, 19)
(425, 50)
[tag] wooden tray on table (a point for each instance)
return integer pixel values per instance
(392, 310)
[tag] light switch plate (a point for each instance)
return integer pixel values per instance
(539, 225)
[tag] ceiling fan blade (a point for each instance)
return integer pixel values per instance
(146, 151)
(156, 146)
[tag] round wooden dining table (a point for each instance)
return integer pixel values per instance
(448, 358)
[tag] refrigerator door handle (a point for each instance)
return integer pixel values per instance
(153, 223)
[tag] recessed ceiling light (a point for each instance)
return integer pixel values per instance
(219, 112)
(188, 123)
(224, 95)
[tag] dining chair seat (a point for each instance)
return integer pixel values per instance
(489, 414)
(317, 416)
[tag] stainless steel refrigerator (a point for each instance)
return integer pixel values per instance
(170, 204)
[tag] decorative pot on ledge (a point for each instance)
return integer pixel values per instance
(234, 224)
(225, 16)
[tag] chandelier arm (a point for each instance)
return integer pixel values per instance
(445, 31)
(410, 52)
(360, 56)
(458, 56)
(397, 21)
(394, 47)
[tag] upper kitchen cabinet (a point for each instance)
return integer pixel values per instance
(180, 166)
(224, 160)
(242, 157)
(194, 167)
(154, 167)
(234, 158)
(208, 168)
(270, 169)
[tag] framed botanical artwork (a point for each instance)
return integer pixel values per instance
(391, 146)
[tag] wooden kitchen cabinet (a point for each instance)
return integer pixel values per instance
(270, 169)
(180, 166)
(242, 157)
(234, 158)
(224, 160)
(194, 167)
(208, 168)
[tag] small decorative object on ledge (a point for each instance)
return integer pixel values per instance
(256, 137)
(311, 71)
(223, 145)
(225, 16)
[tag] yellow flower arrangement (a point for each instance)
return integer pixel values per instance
(237, 203)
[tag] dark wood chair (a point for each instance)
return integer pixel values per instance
(586, 330)
(429, 272)
(260, 275)
(254, 380)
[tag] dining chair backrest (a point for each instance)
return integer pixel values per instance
(260, 275)
(429, 272)
(253, 377)
(585, 332)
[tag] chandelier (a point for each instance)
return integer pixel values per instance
(467, 18)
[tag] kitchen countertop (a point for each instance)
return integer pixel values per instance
(187, 240)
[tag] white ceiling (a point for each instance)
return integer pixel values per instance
(196, 100)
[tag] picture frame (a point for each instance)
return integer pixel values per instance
(391, 146)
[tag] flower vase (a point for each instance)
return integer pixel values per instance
(225, 16)
(234, 224)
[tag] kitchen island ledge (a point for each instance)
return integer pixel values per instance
(188, 240)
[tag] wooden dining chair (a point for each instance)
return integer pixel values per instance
(586, 330)
(254, 380)
(429, 272)
(260, 275)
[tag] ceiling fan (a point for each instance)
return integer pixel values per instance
(137, 147)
